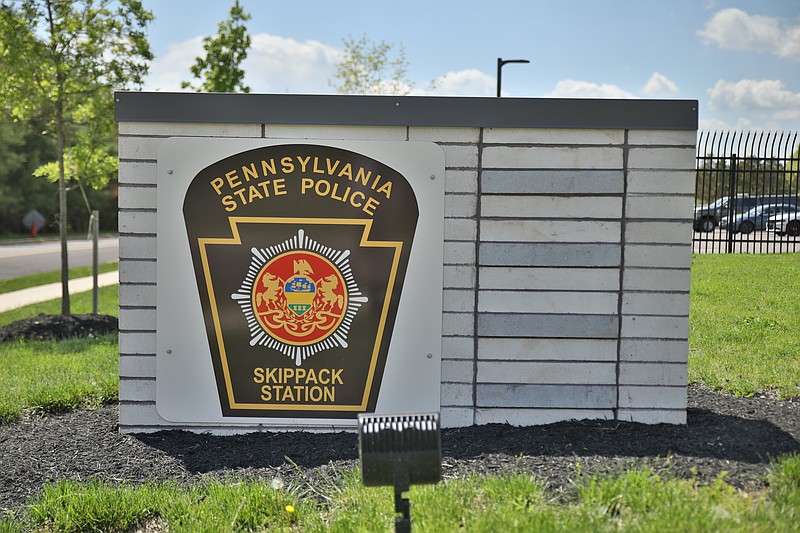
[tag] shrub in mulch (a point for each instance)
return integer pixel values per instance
(56, 327)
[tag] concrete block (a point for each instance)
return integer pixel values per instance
(137, 389)
(460, 205)
(137, 221)
(572, 231)
(663, 137)
(647, 350)
(552, 157)
(552, 302)
(663, 374)
(661, 182)
(460, 155)
(653, 416)
(137, 342)
(458, 348)
(319, 131)
(137, 319)
(176, 129)
(659, 232)
(662, 256)
(444, 135)
(137, 417)
(456, 417)
(528, 349)
(652, 397)
(137, 366)
(460, 301)
(577, 207)
(539, 417)
(458, 324)
(459, 277)
(456, 394)
(665, 304)
(137, 295)
(459, 253)
(460, 229)
(552, 182)
(549, 254)
(655, 327)
(662, 158)
(463, 181)
(138, 173)
(137, 271)
(457, 371)
(552, 136)
(533, 278)
(135, 247)
(656, 279)
(521, 325)
(660, 207)
(537, 372)
(137, 197)
(547, 396)
(139, 148)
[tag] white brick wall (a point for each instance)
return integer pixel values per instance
(543, 227)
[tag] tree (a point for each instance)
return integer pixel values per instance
(371, 68)
(22, 149)
(63, 59)
(219, 71)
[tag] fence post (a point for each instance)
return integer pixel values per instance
(731, 202)
(95, 229)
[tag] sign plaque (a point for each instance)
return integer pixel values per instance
(299, 282)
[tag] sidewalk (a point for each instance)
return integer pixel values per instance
(51, 291)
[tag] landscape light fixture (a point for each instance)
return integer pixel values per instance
(500, 63)
(400, 451)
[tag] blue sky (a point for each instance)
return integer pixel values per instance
(740, 59)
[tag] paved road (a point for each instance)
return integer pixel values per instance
(21, 259)
(758, 242)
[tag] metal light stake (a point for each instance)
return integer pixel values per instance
(400, 450)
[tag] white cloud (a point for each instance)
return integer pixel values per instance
(471, 82)
(279, 64)
(273, 64)
(660, 85)
(735, 29)
(586, 89)
(713, 124)
(741, 124)
(754, 95)
(168, 71)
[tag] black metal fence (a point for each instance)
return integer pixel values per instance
(747, 193)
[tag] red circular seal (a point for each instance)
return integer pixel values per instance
(299, 298)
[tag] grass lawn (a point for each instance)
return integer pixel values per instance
(638, 500)
(80, 303)
(43, 278)
(744, 335)
(85, 375)
(743, 339)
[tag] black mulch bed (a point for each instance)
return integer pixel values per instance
(738, 436)
(724, 434)
(46, 327)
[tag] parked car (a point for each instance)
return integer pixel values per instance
(785, 223)
(708, 217)
(757, 217)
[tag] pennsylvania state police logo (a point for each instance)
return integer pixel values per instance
(299, 297)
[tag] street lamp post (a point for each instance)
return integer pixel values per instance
(500, 63)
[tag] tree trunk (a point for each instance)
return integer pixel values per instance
(62, 212)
